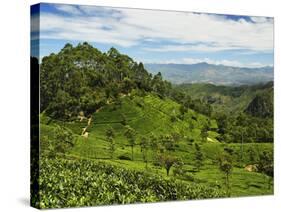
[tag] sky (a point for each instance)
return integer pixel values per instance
(155, 36)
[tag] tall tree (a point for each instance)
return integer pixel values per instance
(266, 166)
(144, 144)
(204, 133)
(130, 134)
(225, 165)
(168, 142)
(167, 161)
(198, 156)
(110, 135)
(154, 145)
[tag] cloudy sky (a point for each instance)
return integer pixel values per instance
(154, 36)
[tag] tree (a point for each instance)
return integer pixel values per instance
(179, 169)
(110, 135)
(123, 120)
(265, 163)
(265, 166)
(127, 85)
(225, 165)
(144, 144)
(198, 156)
(191, 125)
(111, 147)
(154, 145)
(241, 131)
(64, 139)
(160, 86)
(167, 161)
(222, 121)
(183, 109)
(168, 142)
(130, 134)
(173, 118)
(61, 105)
(204, 133)
(252, 155)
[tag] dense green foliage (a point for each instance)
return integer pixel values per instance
(261, 105)
(84, 79)
(74, 183)
(243, 114)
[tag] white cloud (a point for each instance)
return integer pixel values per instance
(130, 26)
(68, 9)
(82, 28)
(196, 47)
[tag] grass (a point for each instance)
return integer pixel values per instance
(153, 116)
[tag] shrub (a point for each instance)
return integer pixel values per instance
(76, 183)
(124, 157)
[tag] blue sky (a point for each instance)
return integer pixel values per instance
(154, 36)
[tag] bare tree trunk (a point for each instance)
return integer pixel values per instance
(132, 152)
(241, 147)
(146, 164)
(168, 170)
(227, 185)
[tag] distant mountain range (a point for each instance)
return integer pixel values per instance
(209, 73)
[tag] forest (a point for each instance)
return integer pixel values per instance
(112, 132)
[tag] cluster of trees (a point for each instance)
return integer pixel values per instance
(243, 113)
(82, 78)
(58, 141)
(186, 102)
(161, 147)
(262, 162)
(244, 128)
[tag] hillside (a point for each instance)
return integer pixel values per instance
(231, 99)
(152, 118)
(262, 104)
(149, 116)
(213, 74)
(104, 115)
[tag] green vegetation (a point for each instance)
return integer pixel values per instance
(74, 183)
(110, 133)
(242, 113)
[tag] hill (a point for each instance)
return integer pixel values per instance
(105, 121)
(243, 113)
(230, 99)
(213, 74)
(262, 105)
(151, 116)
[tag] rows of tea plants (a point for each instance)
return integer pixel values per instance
(76, 182)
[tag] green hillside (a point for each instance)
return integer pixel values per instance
(230, 99)
(153, 118)
(105, 121)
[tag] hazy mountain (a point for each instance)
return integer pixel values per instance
(208, 73)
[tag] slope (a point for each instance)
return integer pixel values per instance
(230, 99)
